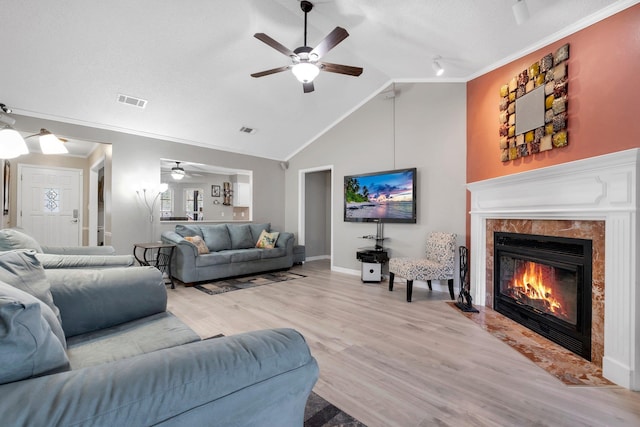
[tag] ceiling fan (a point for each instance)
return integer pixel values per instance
(306, 60)
(178, 172)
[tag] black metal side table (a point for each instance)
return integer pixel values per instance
(155, 254)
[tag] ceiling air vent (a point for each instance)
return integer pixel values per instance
(130, 100)
(245, 129)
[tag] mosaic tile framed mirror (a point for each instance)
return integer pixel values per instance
(533, 108)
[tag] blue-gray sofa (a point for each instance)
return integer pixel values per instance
(98, 348)
(232, 251)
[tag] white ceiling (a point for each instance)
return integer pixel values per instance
(191, 60)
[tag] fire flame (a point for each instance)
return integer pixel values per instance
(531, 287)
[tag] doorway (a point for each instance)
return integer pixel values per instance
(315, 226)
(49, 204)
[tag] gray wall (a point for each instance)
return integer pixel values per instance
(423, 127)
(136, 164)
(426, 131)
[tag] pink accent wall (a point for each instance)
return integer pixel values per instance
(603, 99)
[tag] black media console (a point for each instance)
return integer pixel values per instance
(373, 258)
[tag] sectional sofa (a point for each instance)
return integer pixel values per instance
(98, 348)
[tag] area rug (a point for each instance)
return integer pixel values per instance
(320, 413)
(553, 358)
(245, 282)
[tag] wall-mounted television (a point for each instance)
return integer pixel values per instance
(388, 196)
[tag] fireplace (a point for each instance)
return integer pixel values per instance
(602, 190)
(544, 283)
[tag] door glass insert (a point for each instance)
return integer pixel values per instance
(52, 200)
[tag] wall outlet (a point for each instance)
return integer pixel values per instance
(221, 213)
(242, 214)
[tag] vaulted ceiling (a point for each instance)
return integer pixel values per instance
(191, 60)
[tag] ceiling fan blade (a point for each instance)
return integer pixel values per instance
(271, 71)
(307, 87)
(274, 44)
(340, 69)
(333, 38)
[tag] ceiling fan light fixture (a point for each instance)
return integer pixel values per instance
(177, 173)
(437, 67)
(50, 144)
(305, 72)
(12, 144)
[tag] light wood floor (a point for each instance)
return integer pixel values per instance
(392, 363)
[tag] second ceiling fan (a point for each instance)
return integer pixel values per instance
(305, 60)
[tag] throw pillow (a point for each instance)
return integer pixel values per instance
(256, 230)
(199, 243)
(23, 270)
(28, 348)
(267, 240)
(10, 239)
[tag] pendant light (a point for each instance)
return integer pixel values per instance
(12, 144)
(49, 143)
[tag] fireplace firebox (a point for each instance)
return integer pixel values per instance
(544, 283)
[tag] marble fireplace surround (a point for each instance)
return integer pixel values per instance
(584, 193)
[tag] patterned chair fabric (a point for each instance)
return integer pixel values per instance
(439, 263)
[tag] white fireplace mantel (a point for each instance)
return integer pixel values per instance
(603, 188)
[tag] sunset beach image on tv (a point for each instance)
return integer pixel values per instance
(382, 196)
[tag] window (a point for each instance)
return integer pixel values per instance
(193, 203)
(166, 203)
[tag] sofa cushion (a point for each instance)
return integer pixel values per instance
(240, 236)
(216, 237)
(52, 261)
(188, 230)
(273, 253)
(256, 230)
(22, 269)
(94, 299)
(199, 244)
(242, 255)
(162, 330)
(28, 347)
(267, 240)
(10, 239)
(10, 291)
(215, 258)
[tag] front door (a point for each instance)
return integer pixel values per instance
(49, 204)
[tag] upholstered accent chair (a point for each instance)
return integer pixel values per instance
(439, 263)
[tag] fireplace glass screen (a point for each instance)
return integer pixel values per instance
(544, 283)
(544, 288)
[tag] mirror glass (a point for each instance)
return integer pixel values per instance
(205, 192)
(530, 111)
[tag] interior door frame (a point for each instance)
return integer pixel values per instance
(92, 233)
(22, 166)
(302, 174)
